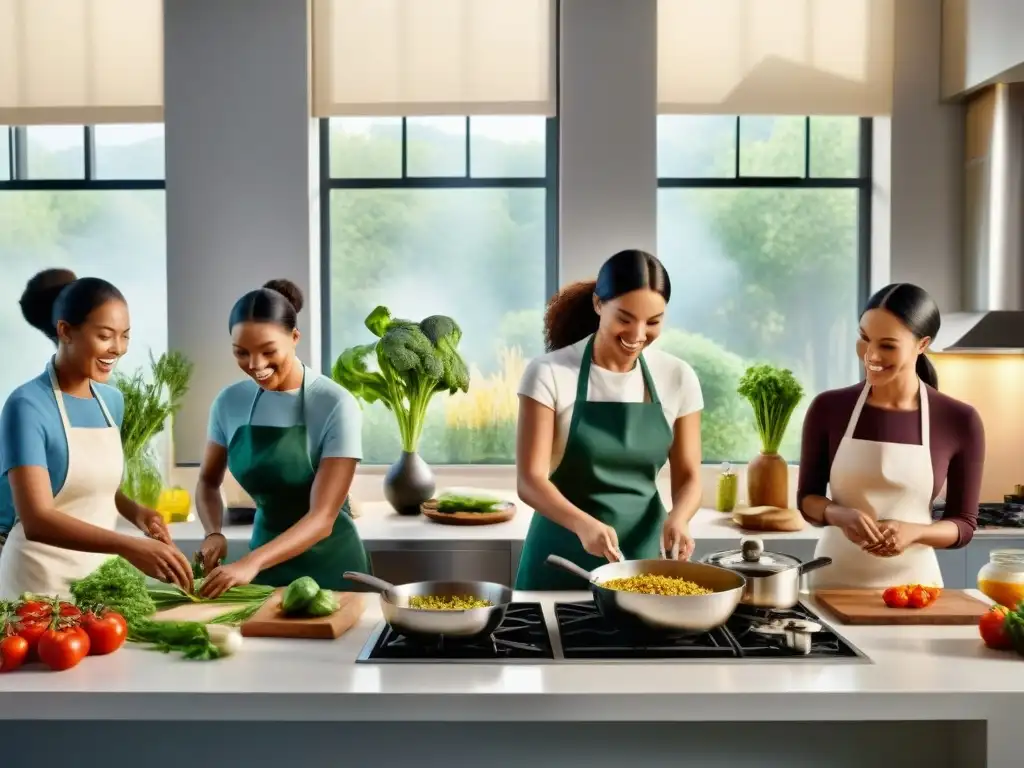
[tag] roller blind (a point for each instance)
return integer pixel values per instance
(81, 61)
(775, 57)
(433, 57)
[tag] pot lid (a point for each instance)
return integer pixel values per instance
(751, 558)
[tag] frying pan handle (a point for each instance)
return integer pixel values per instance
(815, 564)
(371, 581)
(571, 567)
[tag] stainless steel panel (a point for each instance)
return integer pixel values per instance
(402, 567)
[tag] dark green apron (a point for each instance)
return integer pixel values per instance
(273, 465)
(613, 454)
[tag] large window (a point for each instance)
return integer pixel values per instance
(444, 215)
(89, 199)
(763, 225)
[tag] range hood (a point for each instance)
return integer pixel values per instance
(992, 271)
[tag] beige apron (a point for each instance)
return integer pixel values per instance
(95, 468)
(889, 481)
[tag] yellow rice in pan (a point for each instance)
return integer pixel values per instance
(652, 584)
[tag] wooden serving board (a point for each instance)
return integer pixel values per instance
(269, 621)
(503, 512)
(865, 606)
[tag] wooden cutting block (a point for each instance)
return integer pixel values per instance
(269, 621)
(865, 606)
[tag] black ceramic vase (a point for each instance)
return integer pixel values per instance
(408, 483)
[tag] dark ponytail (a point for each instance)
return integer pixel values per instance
(918, 311)
(926, 372)
(570, 315)
(56, 295)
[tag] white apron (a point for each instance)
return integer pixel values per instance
(889, 481)
(95, 469)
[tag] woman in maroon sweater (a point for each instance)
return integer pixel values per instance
(876, 455)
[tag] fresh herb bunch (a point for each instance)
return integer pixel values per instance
(774, 394)
(415, 361)
(119, 585)
(148, 404)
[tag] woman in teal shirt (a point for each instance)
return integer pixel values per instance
(60, 450)
(292, 439)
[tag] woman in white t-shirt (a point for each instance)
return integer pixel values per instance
(599, 416)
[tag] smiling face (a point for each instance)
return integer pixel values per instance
(265, 351)
(94, 347)
(888, 348)
(629, 323)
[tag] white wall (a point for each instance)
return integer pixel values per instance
(981, 40)
(922, 182)
(241, 156)
(608, 149)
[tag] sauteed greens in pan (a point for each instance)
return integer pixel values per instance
(653, 584)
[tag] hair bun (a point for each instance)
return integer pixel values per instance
(40, 295)
(289, 290)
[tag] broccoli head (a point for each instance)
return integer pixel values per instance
(445, 335)
(405, 349)
(415, 362)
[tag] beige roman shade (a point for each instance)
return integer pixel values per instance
(81, 61)
(433, 57)
(775, 57)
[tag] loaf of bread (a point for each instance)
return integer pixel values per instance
(768, 519)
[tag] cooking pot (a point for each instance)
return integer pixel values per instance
(773, 579)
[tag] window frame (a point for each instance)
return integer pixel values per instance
(862, 182)
(328, 183)
(21, 181)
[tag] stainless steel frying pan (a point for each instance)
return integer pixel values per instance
(427, 623)
(687, 614)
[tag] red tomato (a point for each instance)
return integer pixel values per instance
(33, 608)
(106, 633)
(63, 647)
(992, 628)
(32, 628)
(919, 597)
(896, 597)
(13, 652)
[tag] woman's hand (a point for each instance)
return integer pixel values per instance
(676, 541)
(152, 523)
(161, 561)
(212, 551)
(897, 537)
(859, 527)
(599, 540)
(224, 577)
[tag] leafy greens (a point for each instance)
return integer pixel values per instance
(414, 362)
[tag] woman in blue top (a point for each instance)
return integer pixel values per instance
(60, 450)
(292, 440)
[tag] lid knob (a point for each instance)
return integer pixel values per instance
(752, 549)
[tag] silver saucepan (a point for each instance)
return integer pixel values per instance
(773, 579)
(684, 614)
(428, 623)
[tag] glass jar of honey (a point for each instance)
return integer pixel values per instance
(1002, 578)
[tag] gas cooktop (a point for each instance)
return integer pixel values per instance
(580, 634)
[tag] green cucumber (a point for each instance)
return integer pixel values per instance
(323, 604)
(299, 595)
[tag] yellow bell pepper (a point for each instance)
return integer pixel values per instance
(174, 505)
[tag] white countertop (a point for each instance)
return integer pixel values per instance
(379, 523)
(914, 673)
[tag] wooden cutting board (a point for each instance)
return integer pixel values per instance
(865, 606)
(269, 621)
